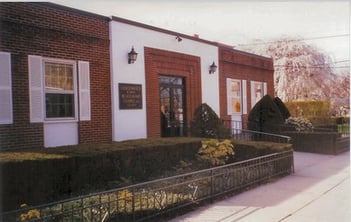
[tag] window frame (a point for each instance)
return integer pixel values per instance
(232, 96)
(253, 90)
(74, 91)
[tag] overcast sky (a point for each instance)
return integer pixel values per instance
(325, 24)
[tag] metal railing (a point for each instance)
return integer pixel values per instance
(147, 200)
(249, 135)
(238, 133)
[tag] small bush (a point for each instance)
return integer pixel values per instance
(300, 124)
(215, 152)
(207, 124)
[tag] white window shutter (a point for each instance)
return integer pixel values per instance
(264, 88)
(6, 116)
(36, 88)
(253, 93)
(84, 90)
(244, 96)
(229, 96)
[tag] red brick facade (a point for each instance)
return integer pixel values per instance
(54, 31)
(160, 62)
(244, 66)
(59, 32)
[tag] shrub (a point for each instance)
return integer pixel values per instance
(265, 116)
(309, 109)
(31, 215)
(207, 124)
(215, 152)
(300, 124)
(282, 108)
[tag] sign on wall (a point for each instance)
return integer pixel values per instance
(130, 96)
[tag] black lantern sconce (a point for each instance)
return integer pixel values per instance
(213, 68)
(132, 56)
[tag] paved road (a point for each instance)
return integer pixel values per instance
(318, 191)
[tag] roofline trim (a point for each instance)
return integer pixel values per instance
(70, 9)
(165, 31)
(253, 54)
(244, 53)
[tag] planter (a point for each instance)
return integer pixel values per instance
(318, 142)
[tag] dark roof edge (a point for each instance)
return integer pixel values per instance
(157, 29)
(70, 9)
(244, 52)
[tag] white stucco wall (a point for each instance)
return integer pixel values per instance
(131, 124)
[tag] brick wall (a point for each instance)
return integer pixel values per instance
(160, 62)
(55, 31)
(245, 66)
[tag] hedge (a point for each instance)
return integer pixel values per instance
(317, 142)
(309, 109)
(40, 176)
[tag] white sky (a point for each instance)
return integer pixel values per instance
(238, 22)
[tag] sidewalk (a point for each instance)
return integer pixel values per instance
(318, 191)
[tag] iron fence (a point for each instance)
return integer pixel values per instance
(249, 135)
(148, 200)
(239, 133)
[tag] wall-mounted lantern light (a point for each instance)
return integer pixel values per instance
(132, 56)
(213, 68)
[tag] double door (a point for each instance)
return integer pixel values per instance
(172, 100)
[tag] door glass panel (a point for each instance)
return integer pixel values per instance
(165, 106)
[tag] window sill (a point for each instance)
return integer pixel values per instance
(49, 121)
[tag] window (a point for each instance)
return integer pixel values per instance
(236, 96)
(258, 90)
(59, 90)
(54, 92)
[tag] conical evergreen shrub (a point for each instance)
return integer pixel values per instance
(207, 124)
(265, 116)
(282, 108)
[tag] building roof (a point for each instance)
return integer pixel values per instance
(232, 49)
(69, 9)
(157, 29)
(142, 25)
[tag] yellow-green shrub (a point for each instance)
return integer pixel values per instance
(309, 109)
(216, 152)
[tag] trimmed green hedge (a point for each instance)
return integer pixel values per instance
(315, 142)
(40, 176)
(250, 149)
